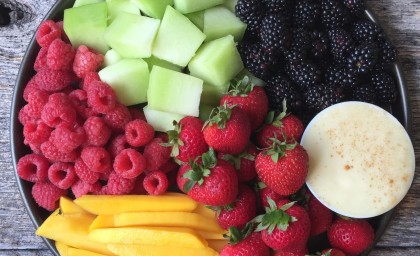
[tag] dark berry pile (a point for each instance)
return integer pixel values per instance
(315, 53)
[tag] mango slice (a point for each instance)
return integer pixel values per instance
(62, 248)
(81, 252)
(217, 245)
(150, 250)
(67, 206)
(102, 221)
(160, 236)
(203, 210)
(109, 205)
(212, 235)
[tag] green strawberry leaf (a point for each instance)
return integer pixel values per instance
(193, 175)
(189, 185)
(261, 185)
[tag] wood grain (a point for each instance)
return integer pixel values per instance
(400, 19)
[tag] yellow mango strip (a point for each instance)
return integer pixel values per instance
(206, 212)
(62, 248)
(162, 236)
(102, 221)
(217, 245)
(212, 235)
(109, 204)
(67, 206)
(71, 229)
(81, 252)
(167, 219)
(151, 250)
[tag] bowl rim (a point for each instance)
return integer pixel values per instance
(26, 66)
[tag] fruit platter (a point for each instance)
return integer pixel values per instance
(217, 127)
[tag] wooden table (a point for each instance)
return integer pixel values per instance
(401, 20)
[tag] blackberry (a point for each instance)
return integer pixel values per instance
(278, 6)
(306, 13)
(341, 44)
(341, 77)
(321, 96)
(301, 40)
(363, 58)
(387, 54)
(334, 14)
(364, 92)
(304, 74)
(256, 60)
(250, 12)
(356, 7)
(319, 44)
(278, 88)
(275, 33)
(385, 88)
(365, 31)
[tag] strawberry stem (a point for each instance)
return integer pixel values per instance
(274, 217)
(198, 171)
(219, 116)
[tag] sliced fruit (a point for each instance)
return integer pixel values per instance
(102, 221)
(187, 6)
(216, 245)
(129, 78)
(153, 8)
(62, 248)
(111, 57)
(152, 61)
(132, 35)
(81, 252)
(205, 111)
(93, 18)
(132, 250)
(174, 92)
(230, 4)
(212, 94)
(67, 206)
(197, 18)
(212, 235)
(220, 21)
(178, 38)
(160, 120)
(78, 3)
(203, 210)
(254, 80)
(116, 7)
(217, 62)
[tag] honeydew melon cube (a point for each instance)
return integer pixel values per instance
(217, 61)
(78, 3)
(212, 94)
(132, 35)
(175, 92)
(178, 38)
(111, 57)
(254, 80)
(153, 8)
(160, 120)
(197, 18)
(205, 111)
(220, 22)
(188, 6)
(115, 7)
(130, 80)
(86, 25)
(152, 61)
(231, 4)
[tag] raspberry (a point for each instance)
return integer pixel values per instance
(138, 186)
(118, 118)
(33, 168)
(58, 111)
(64, 37)
(53, 80)
(96, 158)
(85, 173)
(68, 139)
(136, 113)
(169, 166)
(105, 175)
(47, 32)
(139, 133)
(41, 59)
(55, 155)
(36, 133)
(86, 61)
(37, 101)
(156, 154)
(25, 115)
(129, 163)
(62, 175)
(156, 183)
(30, 87)
(60, 55)
(78, 98)
(97, 131)
(118, 185)
(46, 195)
(88, 79)
(101, 97)
(117, 145)
(80, 188)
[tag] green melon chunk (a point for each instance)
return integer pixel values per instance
(174, 92)
(160, 120)
(152, 61)
(153, 8)
(115, 7)
(230, 4)
(86, 25)
(212, 94)
(255, 80)
(188, 6)
(132, 35)
(220, 22)
(111, 57)
(130, 80)
(178, 38)
(205, 111)
(78, 3)
(217, 62)
(197, 18)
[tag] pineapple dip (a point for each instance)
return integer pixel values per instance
(361, 159)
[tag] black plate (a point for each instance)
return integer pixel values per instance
(400, 109)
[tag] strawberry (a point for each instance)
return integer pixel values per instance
(266, 193)
(187, 140)
(352, 236)
(285, 226)
(208, 180)
(250, 98)
(245, 243)
(244, 163)
(283, 167)
(285, 126)
(228, 130)
(321, 217)
(239, 212)
(332, 252)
